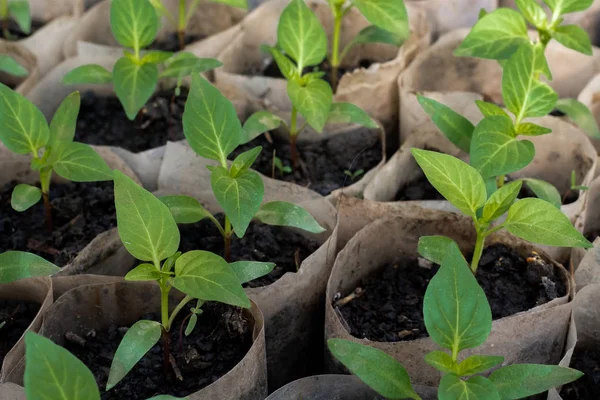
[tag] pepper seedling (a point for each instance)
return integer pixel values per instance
(355, 174)
(277, 163)
(24, 130)
(213, 131)
(17, 10)
(135, 76)
(457, 317)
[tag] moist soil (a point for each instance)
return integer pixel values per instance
(220, 340)
(272, 70)
(171, 43)
(419, 189)
(266, 243)
(390, 308)
(323, 164)
(18, 315)
(16, 33)
(588, 386)
(102, 121)
(80, 212)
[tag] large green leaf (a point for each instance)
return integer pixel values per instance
(134, 23)
(12, 66)
(247, 271)
(64, 122)
(580, 114)
(538, 221)
(501, 200)
(561, 7)
(574, 37)
(185, 209)
(281, 213)
(348, 113)
(259, 123)
(522, 380)
(134, 84)
(433, 248)
(477, 387)
(456, 180)
(146, 227)
(240, 197)
(210, 122)
(51, 372)
(206, 276)
(313, 101)
(79, 162)
(24, 196)
(184, 64)
(380, 371)
(15, 265)
(138, 340)
(477, 364)
(19, 10)
(457, 128)
(301, 35)
(390, 15)
(88, 74)
(544, 190)
(456, 312)
(23, 128)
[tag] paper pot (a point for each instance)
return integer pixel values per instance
(11, 391)
(123, 303)
(590, 96)
(394, 236)
(588, 222)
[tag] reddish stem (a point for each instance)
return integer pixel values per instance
(294, 151)
(48, 211)
(181, 37)
(166, 351)
(227, 248)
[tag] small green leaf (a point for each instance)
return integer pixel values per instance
(156, 57)
(374, 34)
(79, 162)
(457, 181)
(501, 200)
(540, 222)
(191, 324)
(441, 361)
(134, 23)
(562, 7)
(12, 66)
(545, 191)
(51, 372)
(281, 213)
(478, 387)
(477, 364)
(522, 380)
(533, 12)
(206, 276)
(244, 161)
(390, 15)
(490, 109)
(19, 10)
(247, 271)
(380, 371)
(134, 84)
(433, 248)
(144, 272)
(15, 265)
(348, 113)
(311, 76)
(63, 125)
(185, 209)
(285, 65)
(88, 74)
(184, 64)
(24, 196)
(313, 101)
(531, 129)
(457, 128)
(573, 37)
(580, 115)
(138, 340)
(243, 4)
(259, 123)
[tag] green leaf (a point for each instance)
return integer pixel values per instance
(538, 221)
(146, 227)
(247, 271)
(531, 129)
(311, 76)
(390, 15)
(144, 272)
(495, 36)
(457, 181)
(301, 35)
(533, 12)
(79, 162)
(23, 128)
(210, 122)
(234, 3)
(490, 109)
(494, 149)
(259, 123)
(433, 248)
(156, 57)
(522, 380)
(206, 276)
(545, 191)
(191, 324)
(12, 66)
(138, 340)
(380, 371)
(501, 200)
(478, 387)
(51, 372)
(374, 34)
(561, 7)
(348, 113)
(20, 12)
(573, 37)
(24, 196)
(240, 196)
(457, 128)
(184, 64)
(285, 65)
(313, 101)
(244, 161)
(134, 23)
(134, 84)
(281, 213)
(88, 74)
(580, 115)
(456, 312)
(476, 364)
(185, 209)
(63, 125)
(441, 361)
(15, 265)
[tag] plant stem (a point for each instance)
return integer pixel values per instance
(227, 238)
(45, 176)
(177, 309)
(293, 135)
(164, 311)
(335, 50)
(478, 251)
(181, 24)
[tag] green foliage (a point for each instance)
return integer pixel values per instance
(11, 66)
(17, 10)
(580, 115)
(15, 265)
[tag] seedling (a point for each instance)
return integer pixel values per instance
(574, 185)
(11, 66)
(24, 130)
(355, 174)
(277, 163)
(213, 131)
(457, 317)
(17, 10)
(135, 76)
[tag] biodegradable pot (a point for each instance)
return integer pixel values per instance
(590, 96)
(61, 284)
(96, 307)
(586, 264)
(588, 222)
(11, 391)
(372, 89)
(395, 236)
(36, 290)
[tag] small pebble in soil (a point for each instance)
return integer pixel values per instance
(588, 386)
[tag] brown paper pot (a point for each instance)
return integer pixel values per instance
(11, 391)
(373, 89)
(590, 96)
(36, 290)
(588, 222)
(388, 239)
(98, 306)
(587, 269)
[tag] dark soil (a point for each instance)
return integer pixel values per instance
(171, 43)
(260, 243)
(323, 163)
(272, 70)
(221, 339)
(18, 315)
(588, 386)
(391, 304)
(419, 189)
(16, 33)
(592, 235)
(102, 121)
(80, 212)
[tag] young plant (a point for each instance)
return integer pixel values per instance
(355, 174)
(135, 76)
(277, 163)
(24, 130)
(11, 66)
(17, 10)
(457, 317)
(213, 131)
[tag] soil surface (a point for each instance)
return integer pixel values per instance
(272, 70)
(17, 315)
(220, 340)
(588, 386)
(171, 43)
(323, 164)
(102, 121)
(261, 242)
(16, 33)
(390, 308)
(419, 189)
(80, 212)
